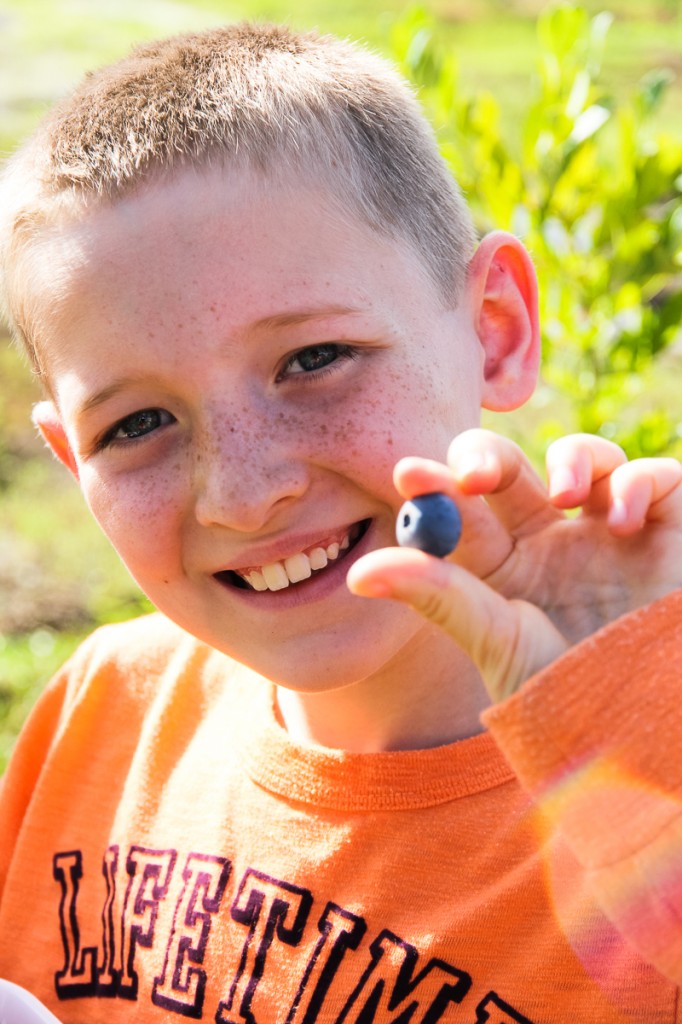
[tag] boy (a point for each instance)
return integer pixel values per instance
(250, 288)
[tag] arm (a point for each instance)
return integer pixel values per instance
(596, 739)
(595, 736)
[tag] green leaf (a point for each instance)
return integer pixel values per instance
(589, 123)
(560, 27)
(652, 88)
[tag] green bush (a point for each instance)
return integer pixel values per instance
(582, 180)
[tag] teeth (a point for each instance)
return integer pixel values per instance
(278, 575)
(298, 567)
(257, 580)
(275, 576)
(318, 558)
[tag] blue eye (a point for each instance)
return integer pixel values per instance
(137, 425)
(316, 358)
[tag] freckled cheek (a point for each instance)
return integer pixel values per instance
(141, 518)
(366, 436)
(353, 437)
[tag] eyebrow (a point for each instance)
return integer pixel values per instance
(99, 397)
(279, 320)
(301, 316)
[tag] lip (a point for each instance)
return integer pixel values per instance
(266, 554)
(315, 588)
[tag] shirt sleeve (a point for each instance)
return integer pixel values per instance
(596, 739)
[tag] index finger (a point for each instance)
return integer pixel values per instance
(487, 463)
(485, 543)
(484, 465)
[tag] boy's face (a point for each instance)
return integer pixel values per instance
(237, 369)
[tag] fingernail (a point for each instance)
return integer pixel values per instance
(372, 588)
(618, 513)
(561, 481)
(469, 465)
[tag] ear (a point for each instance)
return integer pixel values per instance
(504, 295)
(46, 418)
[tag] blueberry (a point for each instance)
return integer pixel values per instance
(430, 522)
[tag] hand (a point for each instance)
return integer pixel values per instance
(527, 580)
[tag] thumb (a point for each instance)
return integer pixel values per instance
(508, 641)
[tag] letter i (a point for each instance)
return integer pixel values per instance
(107, 977)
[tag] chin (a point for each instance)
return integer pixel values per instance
(318, 672)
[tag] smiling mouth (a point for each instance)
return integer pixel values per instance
(297, 568)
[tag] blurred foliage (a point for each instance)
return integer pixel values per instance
(26, 661)
(58, 574)
(595, 196)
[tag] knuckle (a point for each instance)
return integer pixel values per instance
(436, 607)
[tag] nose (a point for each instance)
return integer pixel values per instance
(245, 475)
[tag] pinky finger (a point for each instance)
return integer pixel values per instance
(576, 464)
(645, 490)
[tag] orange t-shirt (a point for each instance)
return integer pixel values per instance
(166, 851)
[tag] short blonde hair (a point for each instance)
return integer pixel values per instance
(263, 95)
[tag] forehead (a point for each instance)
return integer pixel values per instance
(235, 244)
(230, 213)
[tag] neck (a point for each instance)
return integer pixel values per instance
(410, 709)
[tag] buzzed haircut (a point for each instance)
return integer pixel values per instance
(260, 96)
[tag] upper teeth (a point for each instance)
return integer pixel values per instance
(278, 575)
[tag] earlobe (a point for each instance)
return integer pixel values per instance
(46, 419)
(504, 296)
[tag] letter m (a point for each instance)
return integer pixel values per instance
(393, 991)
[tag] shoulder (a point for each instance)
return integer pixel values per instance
(134, 646)
(134, 659)
(147, 640)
